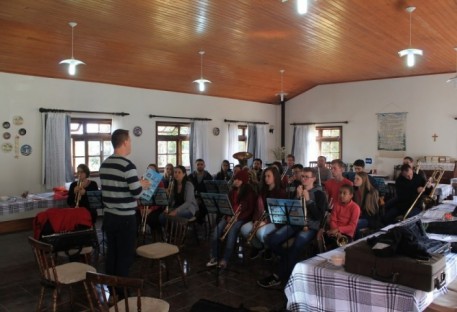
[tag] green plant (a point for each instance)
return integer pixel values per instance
(279, 152)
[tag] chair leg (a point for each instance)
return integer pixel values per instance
(160, 279)
(40, 300)
(194, 228)
(54, 299)
(181, 269)
(86, 289)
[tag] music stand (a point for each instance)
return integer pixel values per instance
(216, 186)
(218, 204)
(96, 202)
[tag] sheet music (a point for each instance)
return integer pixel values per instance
(437, 213)
(285, 211)
(154, 177)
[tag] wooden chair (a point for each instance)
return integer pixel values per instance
(175, 230)
(104, 302)
(55, 276)
(444, 303)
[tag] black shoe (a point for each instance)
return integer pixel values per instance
(254, 253)
(267, 255)
(269, 282)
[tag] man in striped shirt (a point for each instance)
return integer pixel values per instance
(121, 188)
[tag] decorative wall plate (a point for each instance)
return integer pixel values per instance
(6, 135)
(18, 120)
(26, 150)
(7, 147)
(216, 131)
(22, 131)
(137, 131)
(6, 125)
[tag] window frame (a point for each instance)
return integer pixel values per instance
(320, 139)
(177, 138)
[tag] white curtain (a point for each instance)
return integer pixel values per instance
(56, 165)
(199, 142)
(262, 144)
(232, 146)
(304, 146)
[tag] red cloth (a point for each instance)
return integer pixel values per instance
(61, 220)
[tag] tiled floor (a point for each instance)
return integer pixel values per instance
(19, 281)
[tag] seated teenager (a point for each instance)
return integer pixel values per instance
(243, 199)
(408, 186)
(294, 180)
(316, 205)
(271, 187)
(225, 173)
(367, 197)
(359, 166)
(77, 194)
(321, 171)
(332, 186)
(343, 219)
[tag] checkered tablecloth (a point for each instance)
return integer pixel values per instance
(19, 204)
(317, 285)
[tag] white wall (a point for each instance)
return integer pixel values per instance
(430, 102)
(24, 95)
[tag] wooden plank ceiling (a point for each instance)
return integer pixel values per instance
(154, 44)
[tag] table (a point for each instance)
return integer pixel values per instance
(443, 191)
(318, 285)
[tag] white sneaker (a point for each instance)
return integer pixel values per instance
(212, 262)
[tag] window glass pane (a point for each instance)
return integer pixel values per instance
(240, 131)
(79, 161)
(76, 128)
(162, 147)
(94, 148)
(94, 163)
(185, 161)
(105, 128)
(162, 161)
(79, 149)
(171, 159)
(171, 147)
(107, 148)
(185, 130)
(185, 147)
(92, 128)
(167, 130)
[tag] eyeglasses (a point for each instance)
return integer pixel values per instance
(306, 177)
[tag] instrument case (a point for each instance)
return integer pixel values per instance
(424, 275)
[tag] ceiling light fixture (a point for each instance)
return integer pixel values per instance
(201, 82)
(454, 79)
(302, 6)
(410, 53)
(282, 94)
(72, 62)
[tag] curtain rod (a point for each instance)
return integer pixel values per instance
(174, 117)
(54, 110)
(248, 122)
(318, 123)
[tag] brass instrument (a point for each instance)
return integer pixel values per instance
(418, 167)
(170, 186)
(320, 234)
(256, 226)
(230, 223)
(341, 240)
(415, 201)
(242, 158)
(430, 200)
(144, 209)
(78, 197)
(305, 211)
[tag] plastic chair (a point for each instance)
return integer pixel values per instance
(55, 276)
(96, 281)
(175, 230)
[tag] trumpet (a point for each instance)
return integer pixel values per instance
(170, 185)
(341, 240)
(78, 197)
(229, 224)
(305, 211)
(256, 226)
(144, 216)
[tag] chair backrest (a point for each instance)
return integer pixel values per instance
(176, 229)
(44, 257)
(96, 283)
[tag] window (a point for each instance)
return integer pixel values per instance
(90, 142)
(173, 144)
(330, 142)
(242, 138)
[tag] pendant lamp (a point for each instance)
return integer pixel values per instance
(282, 95)
(410, 53)
(201, 82)
(72, 62)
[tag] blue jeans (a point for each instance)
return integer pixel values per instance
(230, 239)
(121, 240)
(361, 224)
(186, 214)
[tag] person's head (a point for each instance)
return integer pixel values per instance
(180, 173)
(240, 178)
(407, 171)
(83, 171)
(359, 165)
(346, 193)
(278, 166)
(271, 178)
(200, 164)
(121, 142)
(236, 168)
(308, 177)
(337, 168)
(169, 170)
(361, 179)
(297, 171)
(290, 160)
(153, 167)
(253, 177)
(225, 166)
(408, 161)
(257, 164)
(321, 161)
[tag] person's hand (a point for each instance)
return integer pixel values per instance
(173, 213)
(145, 184)
(332, 232)
(300, 191)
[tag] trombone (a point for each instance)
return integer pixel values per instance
(230, 223)
(435, 178)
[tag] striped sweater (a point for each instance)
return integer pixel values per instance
(120, 185)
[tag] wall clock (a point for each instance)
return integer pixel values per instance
(137, 131)
(216, 131)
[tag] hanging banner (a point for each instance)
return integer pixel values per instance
(392, 131)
